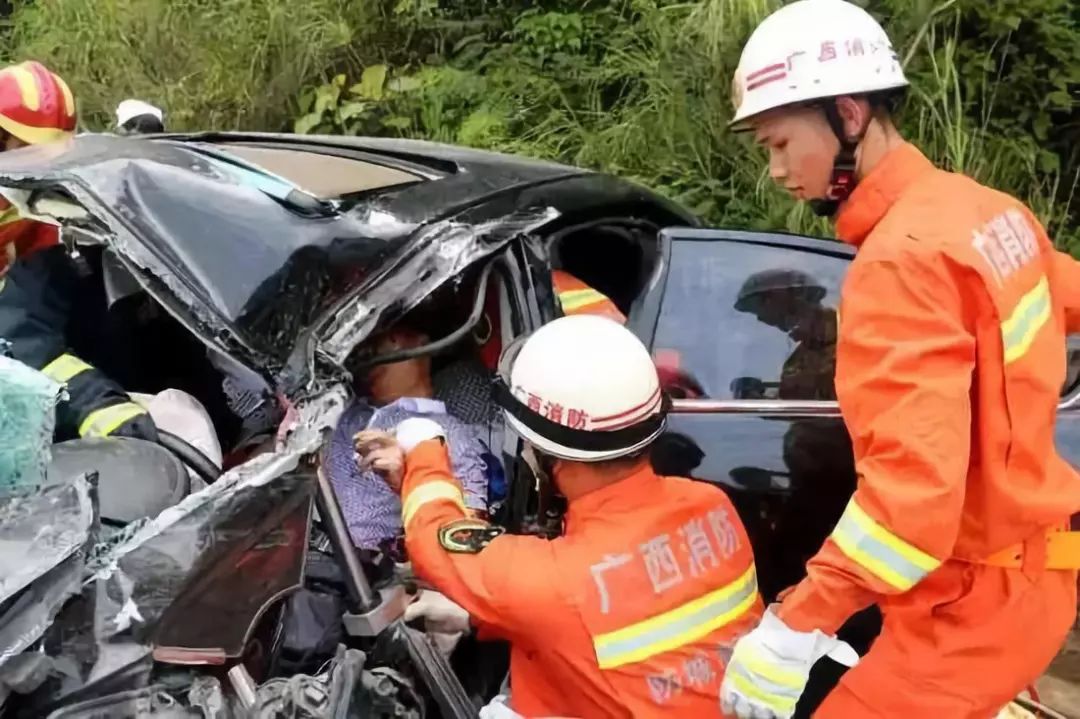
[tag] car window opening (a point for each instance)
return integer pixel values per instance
(435, 361)
(614, 259)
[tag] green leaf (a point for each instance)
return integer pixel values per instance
(465, 41)
(1060, 99)
(397, 122)
(306, 100)
(350, 110)
(326, 97)
(307, 123)
(406, 83)
(371, 83)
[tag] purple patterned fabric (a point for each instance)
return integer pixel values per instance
(372, 510)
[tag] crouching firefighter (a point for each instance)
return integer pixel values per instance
(950, 358)
(42, 289)
(633, 611)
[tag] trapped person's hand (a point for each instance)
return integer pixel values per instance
(440, 615)
(379, 452)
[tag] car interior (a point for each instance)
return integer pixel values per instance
(616, 257)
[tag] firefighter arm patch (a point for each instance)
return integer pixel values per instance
(467, 536)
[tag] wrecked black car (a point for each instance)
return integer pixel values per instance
(149, 581)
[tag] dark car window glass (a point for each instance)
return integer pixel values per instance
(746, 321)
(1072, 366)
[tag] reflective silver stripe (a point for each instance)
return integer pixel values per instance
(677, 627)
(888, 557)
(780, 699)
(1018, 332)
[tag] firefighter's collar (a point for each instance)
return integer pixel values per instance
(876, 193)
(627, 494)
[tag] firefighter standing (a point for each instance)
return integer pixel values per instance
(42, 289)
(950, 358)
(628, 613)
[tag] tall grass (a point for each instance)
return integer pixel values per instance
(211, 63)
(639, 88)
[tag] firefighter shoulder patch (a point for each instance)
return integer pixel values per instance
(467, 536)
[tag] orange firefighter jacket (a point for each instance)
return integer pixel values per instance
(632, 613)
(949, 366)
(19, 237)
(578, 298)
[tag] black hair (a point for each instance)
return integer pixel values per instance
(890, 102)
(144, 124)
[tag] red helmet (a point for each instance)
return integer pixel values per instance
(35, 104)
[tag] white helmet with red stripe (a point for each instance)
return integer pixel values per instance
(811, 50)
(583, 388)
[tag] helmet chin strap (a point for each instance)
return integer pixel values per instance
(842, 180)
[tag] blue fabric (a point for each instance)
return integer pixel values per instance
(372, 510)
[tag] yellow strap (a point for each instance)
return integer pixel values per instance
(64, 368)
(430, 492)
(103, 422)
(1062, 552)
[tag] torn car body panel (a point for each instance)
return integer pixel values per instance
(156, 591)
(253, 272)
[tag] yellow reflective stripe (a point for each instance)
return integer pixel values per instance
(677, 627)
(779, 704)
(888, 557)
(430, 492)
(64, 368)
(105, 421)
(69, 99)
(28, 86)
(1031, 313)
(752, 663)
(576, 299)
(9, 215)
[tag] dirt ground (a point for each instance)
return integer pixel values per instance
(1060, 686)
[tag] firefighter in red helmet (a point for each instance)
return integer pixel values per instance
(41, 289)
(36, 106)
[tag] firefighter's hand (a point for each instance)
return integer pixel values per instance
(440, 615)
(141, 426)
(379, 452)
(770, 666)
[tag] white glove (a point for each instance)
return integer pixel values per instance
(499, 708)
(770, 666)
(415, 430)
(441, 616)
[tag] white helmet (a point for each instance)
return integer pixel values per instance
(810, 50)
(130, 109)
(583, 388)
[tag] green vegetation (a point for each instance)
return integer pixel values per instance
(634, 87)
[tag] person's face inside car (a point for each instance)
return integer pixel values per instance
(409, 378)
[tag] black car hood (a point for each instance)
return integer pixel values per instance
(245, 271)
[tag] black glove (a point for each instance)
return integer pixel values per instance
(139, 427)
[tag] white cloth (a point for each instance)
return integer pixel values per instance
(177, 412)
(774, 661)
(415, 430)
